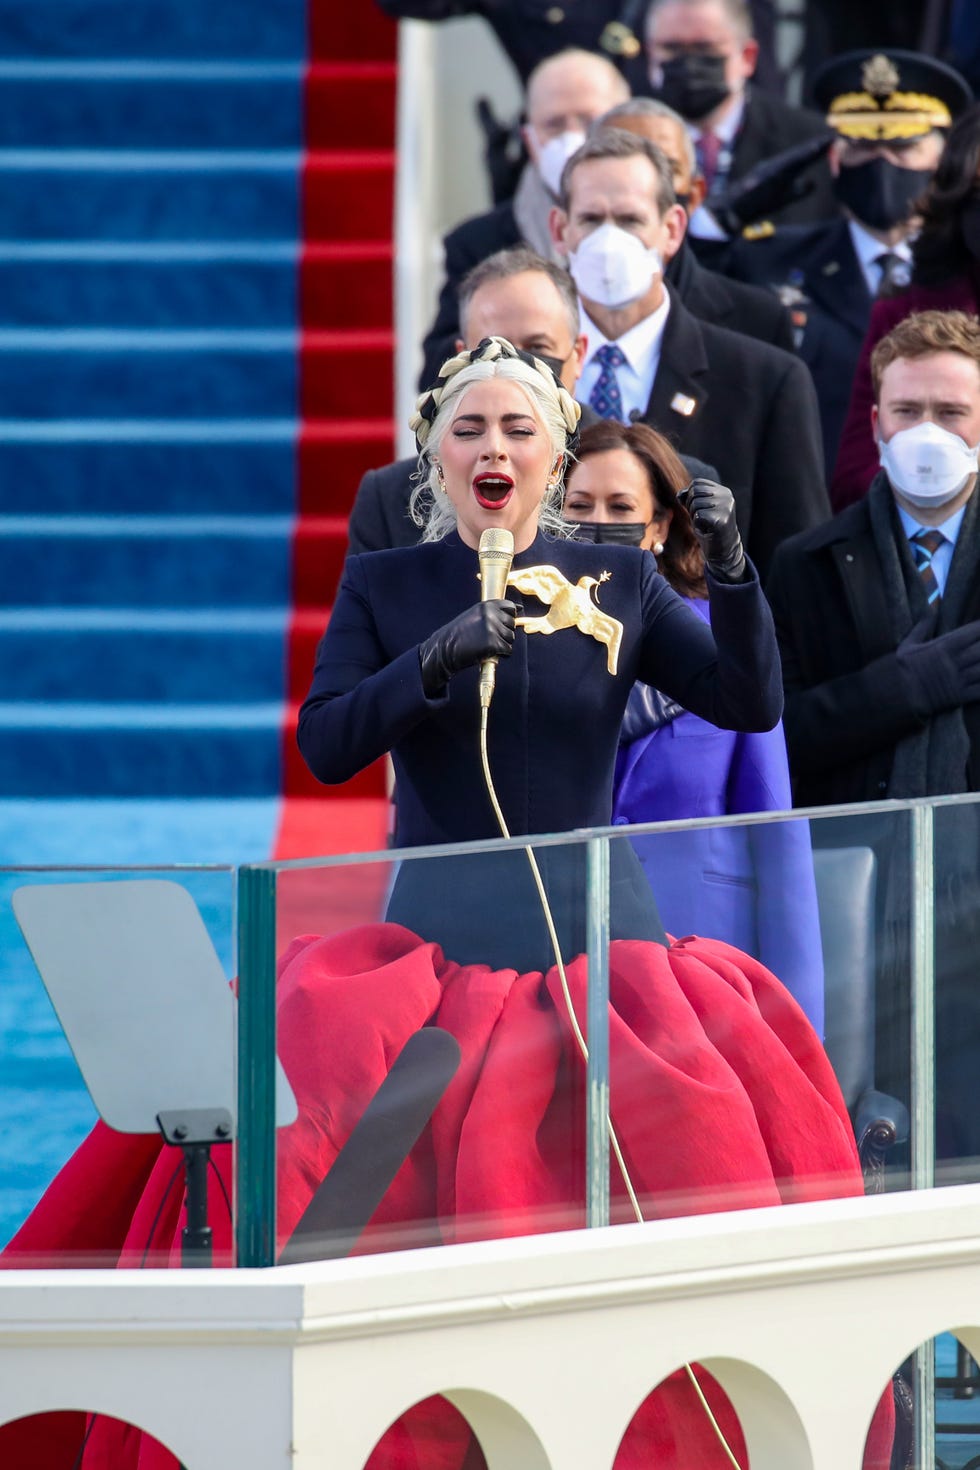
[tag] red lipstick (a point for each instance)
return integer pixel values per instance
(493, 490)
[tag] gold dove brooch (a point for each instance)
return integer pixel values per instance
(570, 605)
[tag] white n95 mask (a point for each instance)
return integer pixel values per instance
(553, 156)
(929, 465)
(613, 267)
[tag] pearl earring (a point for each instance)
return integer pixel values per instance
(658, 547)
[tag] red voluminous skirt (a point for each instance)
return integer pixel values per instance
(721, 1095)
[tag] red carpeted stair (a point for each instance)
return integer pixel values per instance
(346, 367)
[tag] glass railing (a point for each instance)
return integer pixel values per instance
(496, 1119)
(406, 1064)
(715, 1084)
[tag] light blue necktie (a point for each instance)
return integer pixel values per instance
(605, 397)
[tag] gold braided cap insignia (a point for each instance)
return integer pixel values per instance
(902, 115)
(571, 606)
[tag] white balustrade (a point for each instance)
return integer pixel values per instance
(547, 1344)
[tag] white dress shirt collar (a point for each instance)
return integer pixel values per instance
(727, 125)
(867, 249)
(640, 346)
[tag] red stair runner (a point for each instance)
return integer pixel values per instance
(346, 375)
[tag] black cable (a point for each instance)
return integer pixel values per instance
(77, 1462)
(224, 1191)
(159, 1213)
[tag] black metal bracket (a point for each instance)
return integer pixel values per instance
(194, 1130)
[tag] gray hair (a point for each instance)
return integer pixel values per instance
(617, 143)
(553, 406)
(651, 107)
(517, 261)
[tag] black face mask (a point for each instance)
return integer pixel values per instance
(879, 193)
(970, 227)
(611, 533)
(693, 84)
(555, 363)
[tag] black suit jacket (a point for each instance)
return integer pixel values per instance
(816, 271)
(749, 409)
(768, 127)
(727, 303)
(848, 700)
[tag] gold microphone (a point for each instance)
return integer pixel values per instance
(496, 554)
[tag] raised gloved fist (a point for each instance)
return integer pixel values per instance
(712, 511)
(485, 630)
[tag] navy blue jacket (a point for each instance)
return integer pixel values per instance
(554, 723)
(553, 731)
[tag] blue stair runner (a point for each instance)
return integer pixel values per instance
(150, 175)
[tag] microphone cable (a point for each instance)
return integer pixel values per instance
(583, 1049)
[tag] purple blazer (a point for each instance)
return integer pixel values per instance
(751, 886)
(857, 455)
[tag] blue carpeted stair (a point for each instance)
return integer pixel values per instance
(150, 198)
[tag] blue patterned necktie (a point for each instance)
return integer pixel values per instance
(925, 544)
(605, 397)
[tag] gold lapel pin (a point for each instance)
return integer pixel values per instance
(680, 403)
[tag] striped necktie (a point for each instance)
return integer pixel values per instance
(708, 149)
(924, 545)
(605, 397)
(894, 273)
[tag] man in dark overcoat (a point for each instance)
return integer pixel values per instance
(878, 619)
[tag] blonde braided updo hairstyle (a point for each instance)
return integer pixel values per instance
(550, 400)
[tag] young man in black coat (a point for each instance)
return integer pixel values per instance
(745, 407)
(878, 620)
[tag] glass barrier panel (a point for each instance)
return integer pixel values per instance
(957, 991)
(115, 1005)
(720, 1040)
(422, 986)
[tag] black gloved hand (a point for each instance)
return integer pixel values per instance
(945, 671)
(485, 630)
(712, 511)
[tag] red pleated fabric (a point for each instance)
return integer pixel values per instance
(721, 1096)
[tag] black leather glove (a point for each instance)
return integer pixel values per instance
(485, 630)
(646, 710)
(712, 511)
(945, 671)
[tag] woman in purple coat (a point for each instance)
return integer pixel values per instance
(751, 886)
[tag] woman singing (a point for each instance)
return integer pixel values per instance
(398, 667)
(720, 1093)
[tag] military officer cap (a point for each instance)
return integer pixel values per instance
(888, 96)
